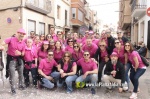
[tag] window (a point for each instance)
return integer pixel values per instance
(58, 12)
(41, 28)
(31, 1)
(80, 15)
(41, 3)
(31, 26)
(66, 13)
(73, 13)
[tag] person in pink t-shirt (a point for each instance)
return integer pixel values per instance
(78, 52)
(36, 43)
(69, 46)
(89, 70)
(89, 46)
(16, 48)
(42, 53)
(49, 37)
(58, 52)
(138, 68)
(42, 38)
(60, 37)
(76, 38)
(67, 70)
(102, 57)
(52, 32)
(45, 69)
(30, 59)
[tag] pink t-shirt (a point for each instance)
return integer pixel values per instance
(87, 66)
(92, 49)
(65, 67)
(54, 37)
(30, 55)
(77, 55)
(13, 45)
(58, 55)
(103, 54)
(68, 48)
(37, 46)
(120, 54)
(95, 41)
(42, 54)
(46, 66)
(131, 58)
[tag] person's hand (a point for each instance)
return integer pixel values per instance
(85, 75)
(63, 75)
(120, 90)
(49, 78)
(1, 47)
(61, 71)
(17, 52)
(113, 73)
(94, 60)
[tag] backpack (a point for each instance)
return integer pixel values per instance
(145, 61)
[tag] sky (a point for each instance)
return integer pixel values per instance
(106, 10)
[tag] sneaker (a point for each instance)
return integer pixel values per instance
(21, 87)
(68, 92)
(93, 91)
(13, 91)
(133, 96)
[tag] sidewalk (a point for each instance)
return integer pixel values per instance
(32, 93)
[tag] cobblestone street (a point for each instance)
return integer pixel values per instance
(32, 93)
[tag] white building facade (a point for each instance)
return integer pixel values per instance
(62, 15)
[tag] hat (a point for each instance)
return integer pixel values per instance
(45, 42)
(91, 32)
(22, 31)
(114, 54)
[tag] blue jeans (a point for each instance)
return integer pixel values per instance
(134, 77)
(93, 78)
(47, 83)
(127, 68)
(68, 82)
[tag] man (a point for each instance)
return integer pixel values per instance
(90, 46)
(32, 35)
(110, 41)
(121, 38)
(52, 32)
(114, 73)
(45, 70)
(89, 69)
(16, 48)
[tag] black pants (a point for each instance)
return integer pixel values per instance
(101, 66)
(34, 76)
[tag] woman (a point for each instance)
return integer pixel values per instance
(69, 46)
(138, 68)
(37, 44)
(119, 49)
(49, 37)
(102, 53)
(77, 53)
(58, 52)
(42, 53)
(42, 37)
(67, 69)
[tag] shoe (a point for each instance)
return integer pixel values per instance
(93, 91)
(13, 91)
(69, 92)
(21, 87)
(133, 96)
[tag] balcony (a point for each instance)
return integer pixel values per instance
(126, 22)
(42, 6)
(138, 9)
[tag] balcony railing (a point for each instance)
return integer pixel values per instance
(42, 6)
(136, 5)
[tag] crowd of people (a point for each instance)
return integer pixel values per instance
(55, 61)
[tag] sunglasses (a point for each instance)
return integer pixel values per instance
(70, 41)
(117, 42)
(50, 54)
(49, 36)
(86, 54)
(101, 45)
(76, 46)
(127, 45)
(118, 32)
(66, 56)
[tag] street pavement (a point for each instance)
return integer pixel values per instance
(60, 93)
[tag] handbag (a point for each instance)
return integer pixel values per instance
(144, 60)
